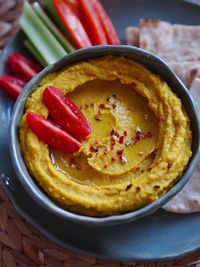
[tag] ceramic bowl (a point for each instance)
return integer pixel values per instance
(154, 64)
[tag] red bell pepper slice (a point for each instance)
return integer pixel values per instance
(11, 85)
(74, 6)
(52, 134)
(72, 23)
(23, 67)
(111, 34)
(93, 24)
(65, 112)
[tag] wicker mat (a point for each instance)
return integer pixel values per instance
(21, 245)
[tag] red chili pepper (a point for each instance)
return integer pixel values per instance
(65, 112)
(52, 134)
(93, 24)
(72, 23)
(109, 29)
(23, 67)
(12, 85)
(121, 139)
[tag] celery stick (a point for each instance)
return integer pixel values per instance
(40, 36)
(54, 15)
(51, 26)
(34, 52)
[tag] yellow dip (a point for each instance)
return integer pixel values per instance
(139, 146)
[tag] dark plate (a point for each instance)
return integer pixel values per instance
(160, 236)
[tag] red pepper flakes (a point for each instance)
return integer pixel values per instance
(113, 159)
(156, 163)
(112, 146)
(156, 187)
(86, 106)
(105, 166)
(81, 107)
(108, 99)
(94, 149)
(113, 142)
(114, 105)
(105, 151)
(125, 133)
(169, 165)
(96, 142)
(97, 118)
(78, 166)
(120, 152)
(134, 84)
(121, 139)
(149, 169)
(114, 95)
(112, 132)
(123, 159)
(128, 187)
(102, 105)
(138, 189)
(116, 133)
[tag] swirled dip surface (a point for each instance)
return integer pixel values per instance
(139, 146)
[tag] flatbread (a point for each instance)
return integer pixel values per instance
(179, 46)
(188, 199)
(170, 42)
(132, 36)
(187, 71)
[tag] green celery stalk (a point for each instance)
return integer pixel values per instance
(40, 36)
(34, 52)
(54, 15)
(51, 26)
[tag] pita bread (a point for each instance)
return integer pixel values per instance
(188, 199)
(179, 46)
(179, 42)
(187, 71)
(132, 36)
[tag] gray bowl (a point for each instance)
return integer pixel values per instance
(153, 63)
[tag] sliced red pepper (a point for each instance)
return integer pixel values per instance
(72, 23)
(23, 67)
(93, 24)
(12, 85)
(111, 34)
(65, 112)
(74, 5)
(52, 134)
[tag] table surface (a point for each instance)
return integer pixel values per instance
(21, 245)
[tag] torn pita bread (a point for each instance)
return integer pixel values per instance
(179, 42)
(132, 36)
(187, 71)
(188, 199)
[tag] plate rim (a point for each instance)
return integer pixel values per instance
(52, 237)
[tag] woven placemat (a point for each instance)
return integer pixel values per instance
(21, 245)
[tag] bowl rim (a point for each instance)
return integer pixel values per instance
(42, 198)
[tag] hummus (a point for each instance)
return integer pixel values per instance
(139, 146)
